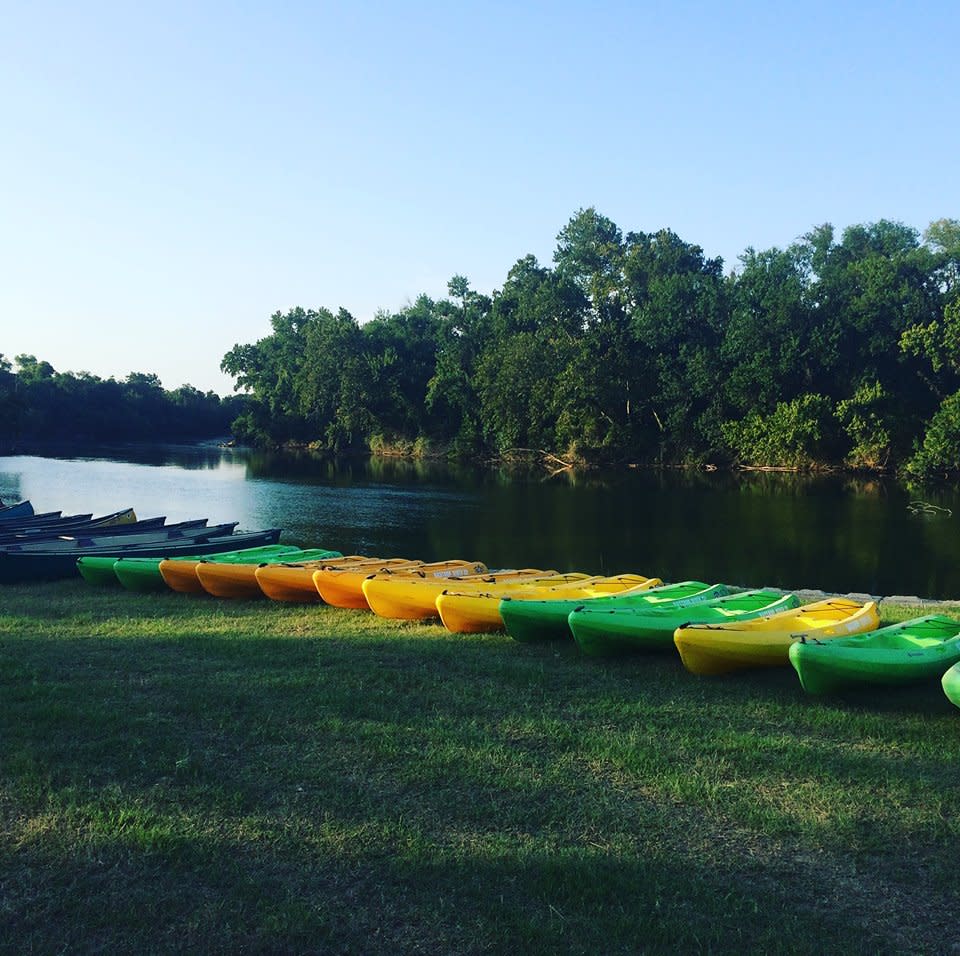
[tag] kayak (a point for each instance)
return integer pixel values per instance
(544, 620)
(143, 574)
(344, 588)
(97, 570)
(601, 632)
(412, 598)
(718, 648)
(292, 582)
(478, 611)
(915, 650)
(951, 685)
(238, 580)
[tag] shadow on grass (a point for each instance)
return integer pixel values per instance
(396, 893)
(422, 792)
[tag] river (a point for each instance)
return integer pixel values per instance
(833, 532)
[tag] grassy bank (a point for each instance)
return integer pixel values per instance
(181, 774)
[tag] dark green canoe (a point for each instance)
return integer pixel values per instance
(915, 650)
(606, 632)
(547, 620)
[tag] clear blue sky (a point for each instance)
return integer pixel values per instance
(173, 175)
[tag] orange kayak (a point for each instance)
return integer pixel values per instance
(294, 582)
(239, 581)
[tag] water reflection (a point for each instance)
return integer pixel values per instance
(836, 532)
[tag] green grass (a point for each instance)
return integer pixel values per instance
(179, 774)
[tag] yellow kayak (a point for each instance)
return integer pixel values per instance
(765, 641)
(294, 582)
(344, 588)
(415, 599)
(472, 612)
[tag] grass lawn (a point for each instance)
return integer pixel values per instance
(185, 774)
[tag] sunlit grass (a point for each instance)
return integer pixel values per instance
(183, 774)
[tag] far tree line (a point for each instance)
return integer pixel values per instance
(637, 347)
(38, 403)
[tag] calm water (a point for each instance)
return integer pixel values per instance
(835, 533)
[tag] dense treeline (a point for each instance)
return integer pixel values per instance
(637, 346)
(38, 403)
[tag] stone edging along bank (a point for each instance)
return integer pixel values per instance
(807, 595)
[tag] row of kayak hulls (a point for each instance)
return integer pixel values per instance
(396, 587)
(239, 574)
(830, 643)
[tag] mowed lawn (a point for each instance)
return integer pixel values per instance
(186, 774)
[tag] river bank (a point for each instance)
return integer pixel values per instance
(186, 774)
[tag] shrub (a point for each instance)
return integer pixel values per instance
(792, 436)
(940, 451)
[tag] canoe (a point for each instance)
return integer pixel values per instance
(344, 587)
(602, 632)
(80, 526)
(50, 520)
(116, 537)
(916, 650)
(951, 685)
(478, 610)
(21, 509)
(292, 582)
(713, 648)
(39, 565)
(545, 620)
(40, 522)
(143, 574)
(238, 580)
(45, 517)
(412, 598)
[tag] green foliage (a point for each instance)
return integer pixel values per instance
(864, 417)
(795, 435)
(937, 341)
(939, 454)
(636, 346)
(37, 403)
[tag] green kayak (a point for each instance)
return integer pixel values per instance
(97, 570)
(605, 632)
(916, 650)
(143, 574)
(951, 685)
(547, 620)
